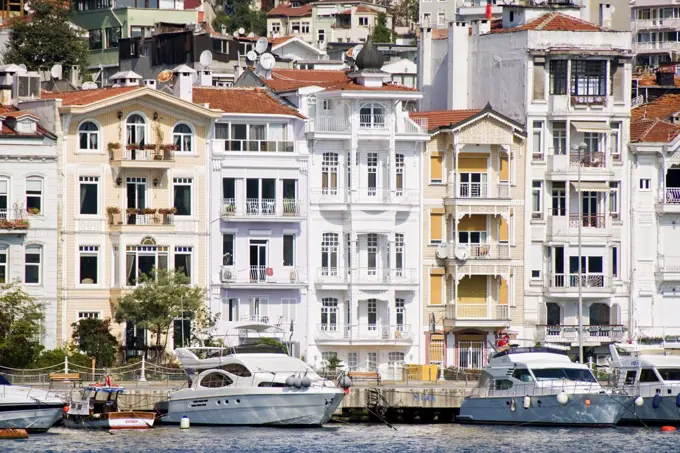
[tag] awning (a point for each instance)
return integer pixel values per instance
(591, 186)
(591, 126)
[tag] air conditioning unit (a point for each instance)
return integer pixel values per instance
(226, 275)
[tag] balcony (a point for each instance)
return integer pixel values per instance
(374, 121)
(485, 251)
(366, 276)
(480, 198)
(12, 221)
(256, 146)
(588, 101)
(587, 220)
(567, 285)
(668, 200)
(332, 124)
(668, 268)
(655, 24)
(144, 218)
(412, 126)
(379, 195)
(476, 190)
(357, 333)
(655, 47)
(262, 276)
(587, 160)
(592, 334)
(268, 209)
(147, 157)
(477, 315)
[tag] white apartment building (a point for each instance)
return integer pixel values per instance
(575, 88)
(258, 218)
(29, 197)
(655, 207)
(656, 31)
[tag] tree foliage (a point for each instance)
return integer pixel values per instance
(56, 356)
(382, 34)
(157, 301)
(46, 37)
(273, 342)
(238, 14)
(94, 338)
(21, 317)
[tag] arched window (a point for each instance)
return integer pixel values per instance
(136, 130)
(34, 195)
(183, 138)
(88, 134)
(372, 116)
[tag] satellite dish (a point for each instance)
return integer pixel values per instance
(462, 252)
(241, 31)
(56, 71)
(252, 56)
(251, 35)
(206, 58)
(89, 86)
(261, 45)
(164, 76)
(23, 67)
(442, 251)
(354, 51)
(115, 85)
(267, 61)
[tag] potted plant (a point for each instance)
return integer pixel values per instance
(33, 211)
(21, 224)
(149, 211)
(112, 212)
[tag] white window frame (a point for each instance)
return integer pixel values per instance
(441, 17)
(329, 306)
(352, 360)
(184, 182)
(645, 184)
(88, 136)
(615, 199)
(39, 248)
(4, 252)
(89, 314)
(304, 28)
(89, 180)
(321, 35)
(39, 195)
(88, 251)
(283, 246)
(138, 128)
(182, 136)
(537, 193)
(400, 308)
(615, 141)
(330, 244)
(6, 215)
(363, 21)
(330, 165)
(185, 250)
(538, 150)
(559, 139)
(288, 314)
(225, 309)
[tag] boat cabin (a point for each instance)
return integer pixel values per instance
(95, 400)
(647, 371)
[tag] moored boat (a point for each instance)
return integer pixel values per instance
(96, 407)
(540, 386)
(32, 409)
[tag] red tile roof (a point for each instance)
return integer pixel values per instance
(442, 118)
(366, 9)
(653, 123)
(287, 10)
(293, 79)
(649, 80)
(242, 100)
(85, 97)
(553, 22)
(280, 40)
(13, 112)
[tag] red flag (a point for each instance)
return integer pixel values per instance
(488, 10)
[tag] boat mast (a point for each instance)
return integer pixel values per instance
(581, 148)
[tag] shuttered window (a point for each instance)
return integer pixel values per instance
(436, 168)
(436, 221)
(436, 289)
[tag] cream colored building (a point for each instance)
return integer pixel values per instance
(117, 220)
(473, 217)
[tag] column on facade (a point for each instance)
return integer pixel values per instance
(278, 196)
(392, 156)
(354, 263)
(240, 194)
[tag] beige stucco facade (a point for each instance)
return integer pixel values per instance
(472, 238)
(104, 250)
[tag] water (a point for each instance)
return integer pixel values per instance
(354, 438)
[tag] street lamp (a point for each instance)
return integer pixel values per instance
(580, 149)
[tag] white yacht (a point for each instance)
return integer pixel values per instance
(251, 385)
(540, 386)
(34, 410)
(651, 373)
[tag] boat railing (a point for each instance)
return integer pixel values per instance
(506, 388)
(270, 377)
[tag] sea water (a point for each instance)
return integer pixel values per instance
(347, 438)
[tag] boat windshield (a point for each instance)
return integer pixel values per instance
(570, 374)
(669, 374)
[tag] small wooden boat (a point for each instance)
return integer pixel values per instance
(96, 407)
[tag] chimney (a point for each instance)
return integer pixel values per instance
(8, 74)
(481, 27)
(74, 76)
(458, 62)
(425, 66)
(125, 79)
(183, 83)
(149, 83)
(205, 77)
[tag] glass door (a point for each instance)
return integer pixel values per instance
(136, 200)
(258, 260)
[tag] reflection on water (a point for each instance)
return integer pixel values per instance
(354, 438)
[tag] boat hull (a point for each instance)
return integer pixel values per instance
(288, 407)
(667, 412)
(603, 410)
(33, 419)
(113, 420)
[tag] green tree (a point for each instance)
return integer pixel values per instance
(56, 356)
(21, 317)
(273, 342)
(94, 338)
(238, 14)
(382, 34)
(157, 301)
(46, 37)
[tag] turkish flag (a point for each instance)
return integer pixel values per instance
(488, 10)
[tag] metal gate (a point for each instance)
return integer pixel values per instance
(471, 354)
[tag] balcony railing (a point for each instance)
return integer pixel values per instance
(156, 155)
(669, 264)
(13, 219)
(485, 251)
(477, 311)
(363, 332)
(648, 24)
(414, 126)
(367, 275)
(652, 46)
(669, 195)
(375, 121)
(262, 207)
(587, 220)
(588, 100)
(587, 160)
(329, 124)
(383, 195)
(483, 190)
(588, 281)
(270, 146)
(569, 333)
(263, 274)
(130, 218)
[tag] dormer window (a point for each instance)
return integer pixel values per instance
(675, 118)
(372, 116)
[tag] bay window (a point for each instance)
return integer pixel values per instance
(588, 77)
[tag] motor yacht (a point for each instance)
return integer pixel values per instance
(251, 385)
(32, 409)
(652, 374)
(540, 386)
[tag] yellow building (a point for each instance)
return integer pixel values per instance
(134, 166)
(472, 233)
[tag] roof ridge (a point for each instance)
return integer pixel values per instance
(549, 17)
(654, 122)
